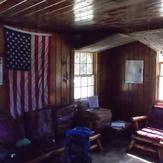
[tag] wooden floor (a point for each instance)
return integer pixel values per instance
(116, 152)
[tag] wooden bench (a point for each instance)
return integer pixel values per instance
(94, 143)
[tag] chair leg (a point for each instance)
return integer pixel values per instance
(99, 144)
(131, 144)
(96, 139)
(160, 152)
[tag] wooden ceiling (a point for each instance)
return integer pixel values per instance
(65, 15)
(78, 17)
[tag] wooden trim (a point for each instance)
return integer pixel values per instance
(158, 81)
(47, 155)
(145, 148)
(95, 68)
(72, 75)
(81, 51)
(157, 73)
(89, 75)
(139, 118)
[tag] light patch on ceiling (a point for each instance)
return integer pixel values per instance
(62, 8)
(13, 6)
(83, 10)
(161, 8)
(29, 7)
(2, 1)
(47, 7)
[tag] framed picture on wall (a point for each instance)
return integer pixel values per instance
(134, 71)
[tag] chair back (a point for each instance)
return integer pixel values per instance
(155, 118)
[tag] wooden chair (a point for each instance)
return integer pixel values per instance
(149, 137)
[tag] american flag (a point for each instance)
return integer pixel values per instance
(27, 60)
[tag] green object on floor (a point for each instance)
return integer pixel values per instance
(22, 142)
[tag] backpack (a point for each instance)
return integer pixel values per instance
(77, 145)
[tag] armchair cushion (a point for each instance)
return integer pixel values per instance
(89, 102)
(103, 114)
(92, 115)
(151, 133)
(93, 102)
(96, 118)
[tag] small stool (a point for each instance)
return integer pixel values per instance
(116, 132)
(95, 141)
(118, 128)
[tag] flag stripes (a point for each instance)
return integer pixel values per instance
(30, 90)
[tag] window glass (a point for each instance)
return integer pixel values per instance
(77, 82)
(84, 77)
(89, 58)
(160, 57)
(83, 58)
(77, 93)
(160, 78)
(161, 69)
(90, 91)
(84, 91)
(83, 68)
(90, 80)
(76, 69)
(84, 81)
(77, 55)
(161, 88)
(89, 69)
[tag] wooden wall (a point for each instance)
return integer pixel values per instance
(124, 99)
(59, 71)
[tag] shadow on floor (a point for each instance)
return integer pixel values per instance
(115, 152)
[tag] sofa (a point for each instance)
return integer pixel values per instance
(35, 134)
(149, 132)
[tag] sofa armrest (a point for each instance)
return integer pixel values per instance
(137, 119)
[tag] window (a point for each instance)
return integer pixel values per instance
(84, 78)
(160, 77)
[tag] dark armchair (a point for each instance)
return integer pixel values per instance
(92, 115)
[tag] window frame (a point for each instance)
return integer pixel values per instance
(158, 81)
(94, 72)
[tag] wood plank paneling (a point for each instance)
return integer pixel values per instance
(60, 68)
(126, 99)
(65, 15)
(3, 87)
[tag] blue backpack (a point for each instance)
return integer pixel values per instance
(77, 145)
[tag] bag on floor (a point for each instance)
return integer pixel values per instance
(77, 145)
